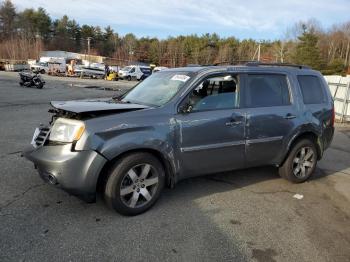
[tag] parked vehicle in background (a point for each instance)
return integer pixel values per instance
(40, 67)
(28, 79)
(159, 68)
(135, 72)
(186, 122)
(92, 70)
(49, 65)
(14, 65)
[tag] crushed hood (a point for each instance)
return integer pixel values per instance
(95, 106)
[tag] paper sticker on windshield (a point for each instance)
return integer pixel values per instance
(182, 78)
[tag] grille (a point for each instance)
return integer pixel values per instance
(43, 134)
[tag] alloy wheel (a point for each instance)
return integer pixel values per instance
(303, 162)
(139, 185)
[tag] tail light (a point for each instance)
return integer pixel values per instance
(333, 116)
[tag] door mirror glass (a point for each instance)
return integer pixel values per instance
(186, 108)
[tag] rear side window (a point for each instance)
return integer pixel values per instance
(264, 90)
(311, 89)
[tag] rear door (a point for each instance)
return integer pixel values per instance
(271, 117)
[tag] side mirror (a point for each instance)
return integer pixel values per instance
(186, 108)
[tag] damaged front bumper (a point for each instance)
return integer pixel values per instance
(74, 171)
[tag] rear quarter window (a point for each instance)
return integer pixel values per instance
(311, 89)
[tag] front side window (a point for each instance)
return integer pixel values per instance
(145, 70)
(157, 89)
(311, 89)
(220, 92)
(266, 90)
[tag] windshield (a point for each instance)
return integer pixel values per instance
(127, 68)
(157, 89)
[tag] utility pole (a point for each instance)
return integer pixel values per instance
(88, 42)
(258, 50)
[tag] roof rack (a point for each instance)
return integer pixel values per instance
(251, 63)
(257, 63)
(227, 63)
(193, 65)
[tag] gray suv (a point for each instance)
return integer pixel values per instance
(186, 122)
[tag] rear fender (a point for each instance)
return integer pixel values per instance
(304, 131)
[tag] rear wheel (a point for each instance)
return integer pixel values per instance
(129, 78)
(300, 163)
(134, 184)
(42, 71)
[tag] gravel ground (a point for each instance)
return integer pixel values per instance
(248, 215)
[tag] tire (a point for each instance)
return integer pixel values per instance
(126, 189)
(42, 71)
(300, 163)
(129, 78)
(39, 85)
(21, 83)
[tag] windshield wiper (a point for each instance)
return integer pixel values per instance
(119, 99)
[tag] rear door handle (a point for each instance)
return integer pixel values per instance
(289, 116)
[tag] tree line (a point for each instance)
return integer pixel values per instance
(23, 34)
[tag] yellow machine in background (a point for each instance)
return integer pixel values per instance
(112, 76)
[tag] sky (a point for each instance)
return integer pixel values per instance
(264, 19)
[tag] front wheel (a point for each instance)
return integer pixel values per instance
(134, 184)
(39, 85)
(300, 163)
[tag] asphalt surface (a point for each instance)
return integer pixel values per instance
(248, 215)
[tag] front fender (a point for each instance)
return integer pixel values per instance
(112, 144)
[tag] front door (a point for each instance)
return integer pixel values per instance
(211, 135)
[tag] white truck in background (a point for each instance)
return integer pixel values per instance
(135, 72)
(50, 65)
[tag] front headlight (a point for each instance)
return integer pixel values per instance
(66, 130)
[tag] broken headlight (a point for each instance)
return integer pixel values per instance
(66, 130)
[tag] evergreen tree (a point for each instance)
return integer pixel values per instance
(7, 19)
(307, 51)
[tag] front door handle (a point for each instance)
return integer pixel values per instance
(289, 116)
(233, 123)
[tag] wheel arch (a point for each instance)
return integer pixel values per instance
(170, 173)
(311, 135)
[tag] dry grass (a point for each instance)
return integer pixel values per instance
(20, 48)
